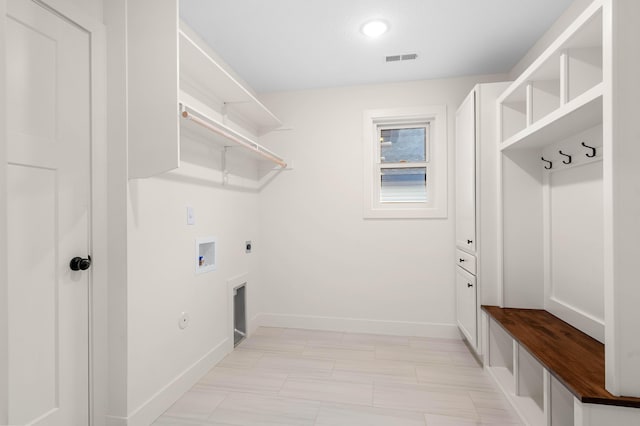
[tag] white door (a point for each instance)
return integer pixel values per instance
(48, 126)
(466, 174)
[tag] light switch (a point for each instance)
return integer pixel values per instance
(191, 216)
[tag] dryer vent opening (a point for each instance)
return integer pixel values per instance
(239, 314)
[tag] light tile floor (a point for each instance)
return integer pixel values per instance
(292, 377)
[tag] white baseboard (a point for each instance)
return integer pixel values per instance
(253, 324)
(116, 421)
(165, 397)
(356, 325)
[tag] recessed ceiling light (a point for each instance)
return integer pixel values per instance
(375, 28)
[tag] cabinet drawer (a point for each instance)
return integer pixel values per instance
(466, 261)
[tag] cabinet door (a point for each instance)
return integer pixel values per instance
(466, 305)
(466, 174)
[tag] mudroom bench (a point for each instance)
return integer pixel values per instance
(552, 373)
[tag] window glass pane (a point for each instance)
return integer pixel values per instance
(403, 185)
(403, 145)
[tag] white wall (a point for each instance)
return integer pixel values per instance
(162, 282)
(325, 266)
(152, 260)
(4, 287)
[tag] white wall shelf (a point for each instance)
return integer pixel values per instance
(199, 71)
(177, 73)
(225, 136)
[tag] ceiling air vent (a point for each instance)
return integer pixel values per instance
(396, 58)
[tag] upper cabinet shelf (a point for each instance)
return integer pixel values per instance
(201, 73)
(560, 91)
(170, 70)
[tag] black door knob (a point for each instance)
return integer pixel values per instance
(80, 264)
(469, 285)
(469, 241)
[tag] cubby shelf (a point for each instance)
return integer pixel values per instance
(200, 120)
(577, 115)
(561, 90)
(504, 377)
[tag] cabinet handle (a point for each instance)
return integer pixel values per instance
(469, 241)
(469, 285)
(461, 260)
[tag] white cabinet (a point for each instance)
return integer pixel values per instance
(466, 305)
(476, 204)
(466, 261)
(569, 191)
(466, 174)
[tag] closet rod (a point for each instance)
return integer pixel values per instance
(250, 146)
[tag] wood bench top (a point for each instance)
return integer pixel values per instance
(575, 359)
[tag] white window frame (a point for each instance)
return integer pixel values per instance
(436, 164)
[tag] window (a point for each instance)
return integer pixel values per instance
(405, 163)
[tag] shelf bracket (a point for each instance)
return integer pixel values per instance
(225, 113)
(225, 172)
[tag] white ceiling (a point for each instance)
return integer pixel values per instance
(300, 44)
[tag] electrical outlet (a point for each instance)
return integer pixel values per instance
(183, 321)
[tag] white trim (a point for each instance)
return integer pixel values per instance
(437, 184)
(579, 319)
(74, 14)
(151, 409)
(4, 297)
(500, 213)
(599, 414)
(253, 324)
(98, 360)
(116, 421)
(358, 325)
